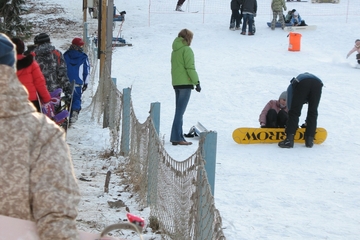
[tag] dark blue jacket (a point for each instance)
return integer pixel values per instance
(249, 6)
(235, 4)
(296, 80)
(78, 67)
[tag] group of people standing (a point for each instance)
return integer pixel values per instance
(243, 11)
(43, 69)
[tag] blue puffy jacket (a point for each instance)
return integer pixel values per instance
(78, 67)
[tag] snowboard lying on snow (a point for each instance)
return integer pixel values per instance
(18, 229)
(273, 135)
(290, 28)
(299, 28)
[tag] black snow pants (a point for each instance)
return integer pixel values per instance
(305, 91)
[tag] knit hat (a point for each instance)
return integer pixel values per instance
(283, 95)
(7, 53)
(357, 40)
(78, 42)
(20, 46)
(42, 38)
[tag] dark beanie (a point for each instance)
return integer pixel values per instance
(20, 46)
(42, 38)
(7, 54)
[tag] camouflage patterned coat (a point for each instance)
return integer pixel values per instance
(278, 5)
(53, 66)
(37, 181)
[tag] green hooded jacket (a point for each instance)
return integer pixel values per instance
(183, 70)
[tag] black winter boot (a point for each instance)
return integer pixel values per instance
(178, 8)
(288, 142)
(309, 141)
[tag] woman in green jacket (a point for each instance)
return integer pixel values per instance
(184, 78)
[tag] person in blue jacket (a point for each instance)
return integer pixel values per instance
(78, 70)
(296, 19)
(305, 88)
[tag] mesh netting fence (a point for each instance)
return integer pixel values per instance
(177, 192)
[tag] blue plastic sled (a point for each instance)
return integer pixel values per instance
(278, 24)
(120, 40)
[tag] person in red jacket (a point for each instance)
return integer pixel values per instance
(30, 75)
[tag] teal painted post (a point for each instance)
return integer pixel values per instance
(209, 154)
(155, 115)
(153, 157)
(85, 34)
(125, 135)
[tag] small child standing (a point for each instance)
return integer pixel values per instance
(356, 48)
(235, 19)
(277, 7)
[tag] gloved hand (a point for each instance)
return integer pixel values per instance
(84, 87)
(198, 88)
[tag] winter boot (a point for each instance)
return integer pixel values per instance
(288, 142)
(273, 25)
(309, 141)
(178, 8)
(74, 116)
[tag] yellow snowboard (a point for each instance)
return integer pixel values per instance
(273, 135)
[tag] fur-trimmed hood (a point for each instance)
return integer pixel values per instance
(24, 61)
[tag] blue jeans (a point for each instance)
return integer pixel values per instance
(248, 19)
(182, 97)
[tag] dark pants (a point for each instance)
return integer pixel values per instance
(307, 90)
(235, 19)
(37, 105)
(180, 2)
(276, 120)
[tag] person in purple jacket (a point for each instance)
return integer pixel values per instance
(275, 113)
